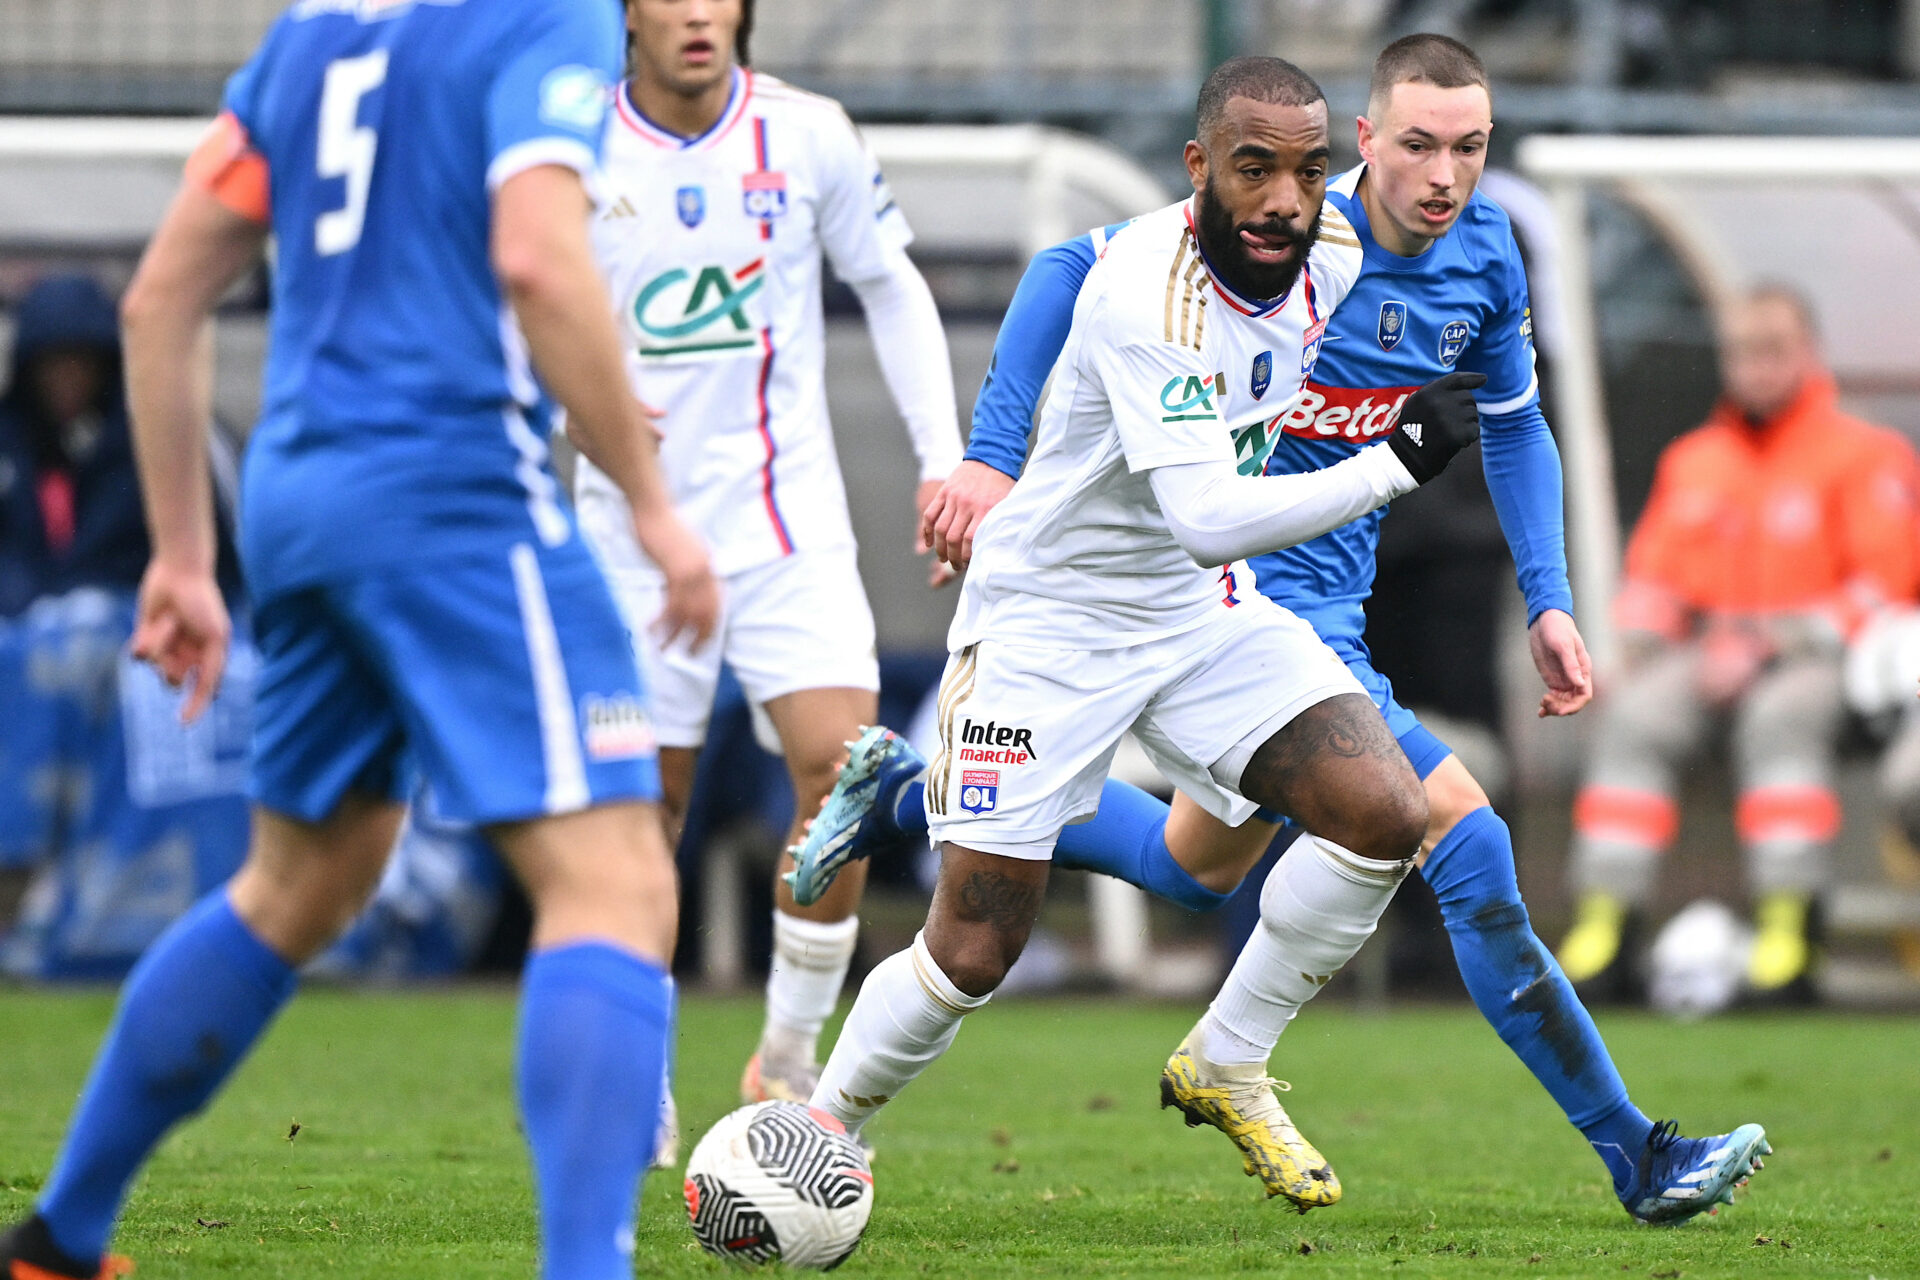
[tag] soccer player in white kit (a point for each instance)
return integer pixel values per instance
(723, 189)
(1087, 611)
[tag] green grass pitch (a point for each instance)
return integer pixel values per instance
(1034, 1148)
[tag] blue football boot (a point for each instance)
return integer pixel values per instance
(853, 821)
(1676, 1178)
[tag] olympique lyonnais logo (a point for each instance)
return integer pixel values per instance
(1310, 348)
(992, 743)
(763, 194)
(1344, 413)
(617, 728)
(979, 790)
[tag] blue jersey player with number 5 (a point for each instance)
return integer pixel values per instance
(422, 600)
(1441, 289)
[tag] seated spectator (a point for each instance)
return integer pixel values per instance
(1771, 533)
(70, 513)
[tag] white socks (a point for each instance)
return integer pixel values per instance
(1319, 904)
(905, 1017)
(810, 962)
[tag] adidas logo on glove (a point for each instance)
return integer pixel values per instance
(1447, 405)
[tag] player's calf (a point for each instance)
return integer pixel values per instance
(911, 1005)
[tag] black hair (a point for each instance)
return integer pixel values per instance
(1262, 79)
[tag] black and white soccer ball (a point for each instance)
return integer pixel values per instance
(778, 1181)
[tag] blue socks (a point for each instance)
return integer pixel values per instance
(1127, 839)
(908, 808)
(189, 1011)
(596, 1025)
(1521, 991)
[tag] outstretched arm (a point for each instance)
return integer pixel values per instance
(1218, 515)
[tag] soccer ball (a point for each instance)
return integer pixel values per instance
(1699, 961)
(778, 1181)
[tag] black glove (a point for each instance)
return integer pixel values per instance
(1436, 422)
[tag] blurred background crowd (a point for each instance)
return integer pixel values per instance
(1736, 815)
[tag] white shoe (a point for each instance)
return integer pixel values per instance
(666, 1135)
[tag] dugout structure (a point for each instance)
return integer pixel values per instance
(1837, 218)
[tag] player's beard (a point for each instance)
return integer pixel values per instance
(1228, 253)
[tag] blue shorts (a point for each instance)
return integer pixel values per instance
(1423, 748)
(507, 679)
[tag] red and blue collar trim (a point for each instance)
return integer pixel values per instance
(730, 115)
(1245, 306)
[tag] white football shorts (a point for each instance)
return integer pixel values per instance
(799, 622)
(1027, 734)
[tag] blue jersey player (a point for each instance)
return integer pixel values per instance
(1442, 289)
(422, 601)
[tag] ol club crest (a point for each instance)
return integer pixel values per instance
(979, 790)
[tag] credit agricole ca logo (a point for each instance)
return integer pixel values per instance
(682, 312)
(1190, 397)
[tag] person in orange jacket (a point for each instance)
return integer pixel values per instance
(1773, 531)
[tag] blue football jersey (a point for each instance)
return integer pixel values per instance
(1460, 305)
(400, 416)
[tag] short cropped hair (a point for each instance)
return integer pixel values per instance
(1424, 58)
(1262, 79)
(744, 34)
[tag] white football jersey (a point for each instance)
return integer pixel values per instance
(711, 247)
(1164, 365)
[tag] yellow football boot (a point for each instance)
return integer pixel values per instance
(1593, 944)
(1781, 951)
(1239, 1102)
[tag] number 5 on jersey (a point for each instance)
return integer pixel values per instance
(346, 147)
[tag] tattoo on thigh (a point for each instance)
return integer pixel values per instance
(1347, 726)
(1342, 740)
(999, 900)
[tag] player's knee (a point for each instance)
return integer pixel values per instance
(974, 960)
(1384, 817)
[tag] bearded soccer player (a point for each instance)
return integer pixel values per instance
(421, 596)
(1105, 595)
(1442, 289)
(725, 191)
